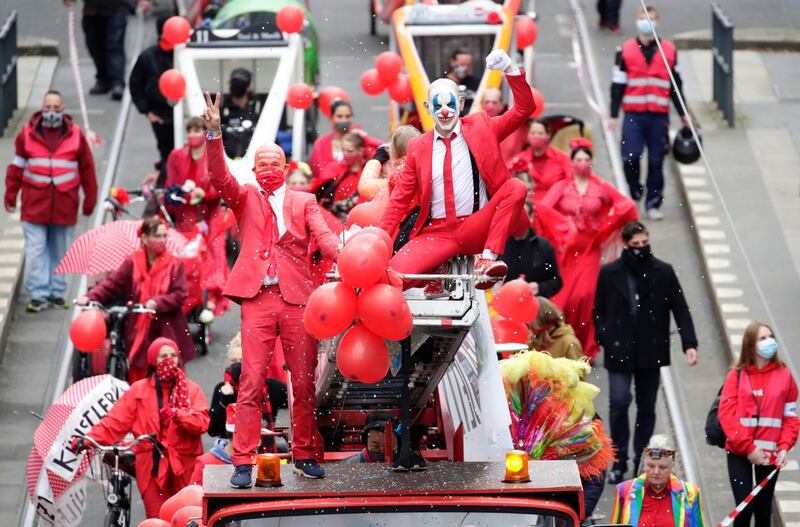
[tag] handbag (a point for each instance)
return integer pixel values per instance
(715, 435)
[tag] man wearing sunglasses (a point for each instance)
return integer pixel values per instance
(657, 498)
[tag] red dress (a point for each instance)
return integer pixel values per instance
(545, 170)
(598, 215)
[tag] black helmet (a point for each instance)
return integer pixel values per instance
(375, 421)
(684, 149)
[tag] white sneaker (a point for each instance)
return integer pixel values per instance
(655, 214)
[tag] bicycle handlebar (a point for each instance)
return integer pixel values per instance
(122, 449)
(117, 310)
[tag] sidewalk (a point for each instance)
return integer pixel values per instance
(756, 170)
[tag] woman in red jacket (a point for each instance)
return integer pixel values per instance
(546, 165)
(169, 405)
(329, 148)
(758, 413)
(154, 277)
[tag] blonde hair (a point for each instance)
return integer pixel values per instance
(235, 347)
(398, 147)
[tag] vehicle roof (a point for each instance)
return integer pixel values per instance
(237, 7)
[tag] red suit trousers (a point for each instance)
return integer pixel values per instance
(489, 228)
(264, 317)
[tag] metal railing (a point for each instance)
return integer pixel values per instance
(722, 54)
(8, 70)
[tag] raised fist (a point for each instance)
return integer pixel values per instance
(498, 60)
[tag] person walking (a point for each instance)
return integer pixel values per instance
(272, 281)
(550, 333)
(609, 14)
(171, 406)
(657, 498)
(641, 86)
(544, 164)
(147, 96)
(634, 297)
(758, 413)
(52, 159)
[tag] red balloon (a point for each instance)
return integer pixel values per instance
(185, 514)
(400, 91)
(176, 30)
(88, 330)
(330, 310)
(526, 31)
(290, 19)
(190, 495)
(362, 356)
(516, 302)
(507, 331)
(384, 310)
(154, 522)
(300, 96)
(172, 84)
(363, 261)
(493, 17)
(371, 82)
(370, 213)
(382, 234)
(538, 99)
(389, 66)
(328, 95)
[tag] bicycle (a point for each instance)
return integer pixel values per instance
(117, 360)
(117, 492)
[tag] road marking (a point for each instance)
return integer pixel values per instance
(699, 195)
(718, 263)
(6, 287)
(791, 465)
(787, 486)
(693, 170)
(702, 208)
(729, 292)
(694, 182)
(707, 234)
(706, 221)
(734, 308)
(789, 505)
(10, 258)
(716, 248)
(724, 278)
(737, 323)
(8, 272)
(12, 243)
(15, 229)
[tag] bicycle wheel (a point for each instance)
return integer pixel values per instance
(116, 517)
(81, 365)
(118, 367)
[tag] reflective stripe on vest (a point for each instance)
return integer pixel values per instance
(49, 162)
(19, 161)
(645, 99)
(45, 167)
(790, 410)
(765, 422)
(650, 81)
(648, 86)
(766, 445)
(56, 180)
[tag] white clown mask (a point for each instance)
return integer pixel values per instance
(444, 104)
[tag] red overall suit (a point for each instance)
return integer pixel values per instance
(489, 228)
(274, 309)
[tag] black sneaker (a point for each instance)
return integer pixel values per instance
(617, 474)
(309, 468)
(57, 301)
(117, 92)
(418, 463)
(242, 477)
(99, 89)
(36, 306)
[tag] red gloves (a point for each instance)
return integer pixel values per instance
(167, 414)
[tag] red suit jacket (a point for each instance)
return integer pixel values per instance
(304, 225)
(483, 135)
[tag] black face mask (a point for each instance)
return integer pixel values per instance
(641, 254)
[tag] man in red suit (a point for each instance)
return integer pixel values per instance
(272, 281)
(469, 203)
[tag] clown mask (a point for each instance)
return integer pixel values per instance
(444, 104)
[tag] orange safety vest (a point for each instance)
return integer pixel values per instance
(648, 88)
(59, 168)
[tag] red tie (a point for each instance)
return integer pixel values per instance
(270, 238)
(447, 172)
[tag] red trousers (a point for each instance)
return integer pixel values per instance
(264, 317)
(489, 228)
(153, 497)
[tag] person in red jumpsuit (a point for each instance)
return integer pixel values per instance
(272, 281)
(167, 404)
(468, 200)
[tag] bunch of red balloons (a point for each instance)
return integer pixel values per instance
(387, 74)
(380, 310)
(177, 511)
(516, 306)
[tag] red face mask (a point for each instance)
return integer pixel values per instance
(493, 109)
(582, 168)
(157, 247)
(195, 141)
(270, 178)
(538, 142)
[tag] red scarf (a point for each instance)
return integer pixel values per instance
(148, 283)
(169, 373)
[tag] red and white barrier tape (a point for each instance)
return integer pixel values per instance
(743, 505)
(76, 72)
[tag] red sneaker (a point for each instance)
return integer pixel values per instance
(491, 269)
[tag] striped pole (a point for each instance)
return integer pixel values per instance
(743, 505)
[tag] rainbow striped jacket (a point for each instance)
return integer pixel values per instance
(687, 507)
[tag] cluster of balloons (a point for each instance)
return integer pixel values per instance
(185, 506)
(176, 31)
(387, 74)
(88, 330)
(380, 310)
(290, 19)
(517, 306)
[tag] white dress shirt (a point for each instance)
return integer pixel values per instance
(276, 202)
(461, 169)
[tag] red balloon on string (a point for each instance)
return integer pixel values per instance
(507, 332)
(88, 330)
(190, 495)
(526, 31)
(516, 302)
(300, 96)
(176, 30)
(385, 312)
(290, 19)
(185, 514)
(371, 82)
(538, 99)
(400, 91)
(363, 261)
(154, 522)
(362, 356)
(389, 66)
(172, 84)
(330, 309)
(380, 233)
(328, 95)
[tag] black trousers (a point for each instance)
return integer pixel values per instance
(740, 472)
(646, 384)
(105, 40)
(165, 140)
(609, 11)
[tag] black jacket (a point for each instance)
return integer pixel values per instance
(638, 338)
(534, 257)
(146, 95)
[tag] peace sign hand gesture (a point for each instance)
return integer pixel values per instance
(211, 112)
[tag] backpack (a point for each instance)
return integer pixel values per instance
(715, 435)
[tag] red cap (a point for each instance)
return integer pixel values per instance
(155, 348)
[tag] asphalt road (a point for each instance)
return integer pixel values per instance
(34, 341)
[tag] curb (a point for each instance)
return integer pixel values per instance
(29, 46)
(763, 39)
